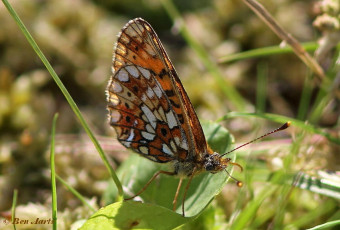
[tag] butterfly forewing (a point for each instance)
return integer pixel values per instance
(148, 105)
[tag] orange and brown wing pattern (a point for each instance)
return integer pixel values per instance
(148, 105)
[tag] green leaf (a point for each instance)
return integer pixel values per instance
(132, 214)
(217, 136)
(137, 171)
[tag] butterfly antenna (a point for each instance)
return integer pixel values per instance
(283, 127)
(238, 183)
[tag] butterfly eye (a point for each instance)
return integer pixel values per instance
(209, 167)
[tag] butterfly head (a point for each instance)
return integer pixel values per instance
(214, 163)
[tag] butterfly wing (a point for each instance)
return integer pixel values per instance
(148, 106)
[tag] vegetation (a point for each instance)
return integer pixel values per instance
(235, 72)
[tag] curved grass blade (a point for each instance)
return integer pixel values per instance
(327, 225)
(74, 192)
(66, 94)
(265, 51)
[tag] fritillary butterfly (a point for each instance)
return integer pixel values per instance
(150, 110)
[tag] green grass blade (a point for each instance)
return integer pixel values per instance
(266, 51)
(67, 96)
(326, 91)
(231, 93)
(74, 192)
(249, 212)
(315, 214)
(53, 182)
(261, 91)
(327, 225)
(282, 119)
(14, 204)
(327, 184)
(305, 98)
(322, 99)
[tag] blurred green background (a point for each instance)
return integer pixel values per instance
(78, 37)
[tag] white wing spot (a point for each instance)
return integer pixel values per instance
(171, 119)
(162, 114)
(178, 143)
(145, 72)
(126, 144)
(158, 91)
(116, 87)
(150, 49)
(143, 97)
(131, 136)
(173, 146)
(150, 116)
(122, 75)
(131, 31)
(167, 150)
(150, 93)
(148, 136)
(144, 150)
(149, 128)
(184, 144)
(133, 71)
(114, 100)
(114, 116)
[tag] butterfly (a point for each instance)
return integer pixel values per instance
(150, 110)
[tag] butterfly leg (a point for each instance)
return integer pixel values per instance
(149, 182)
(176, 195)
(186, 190)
